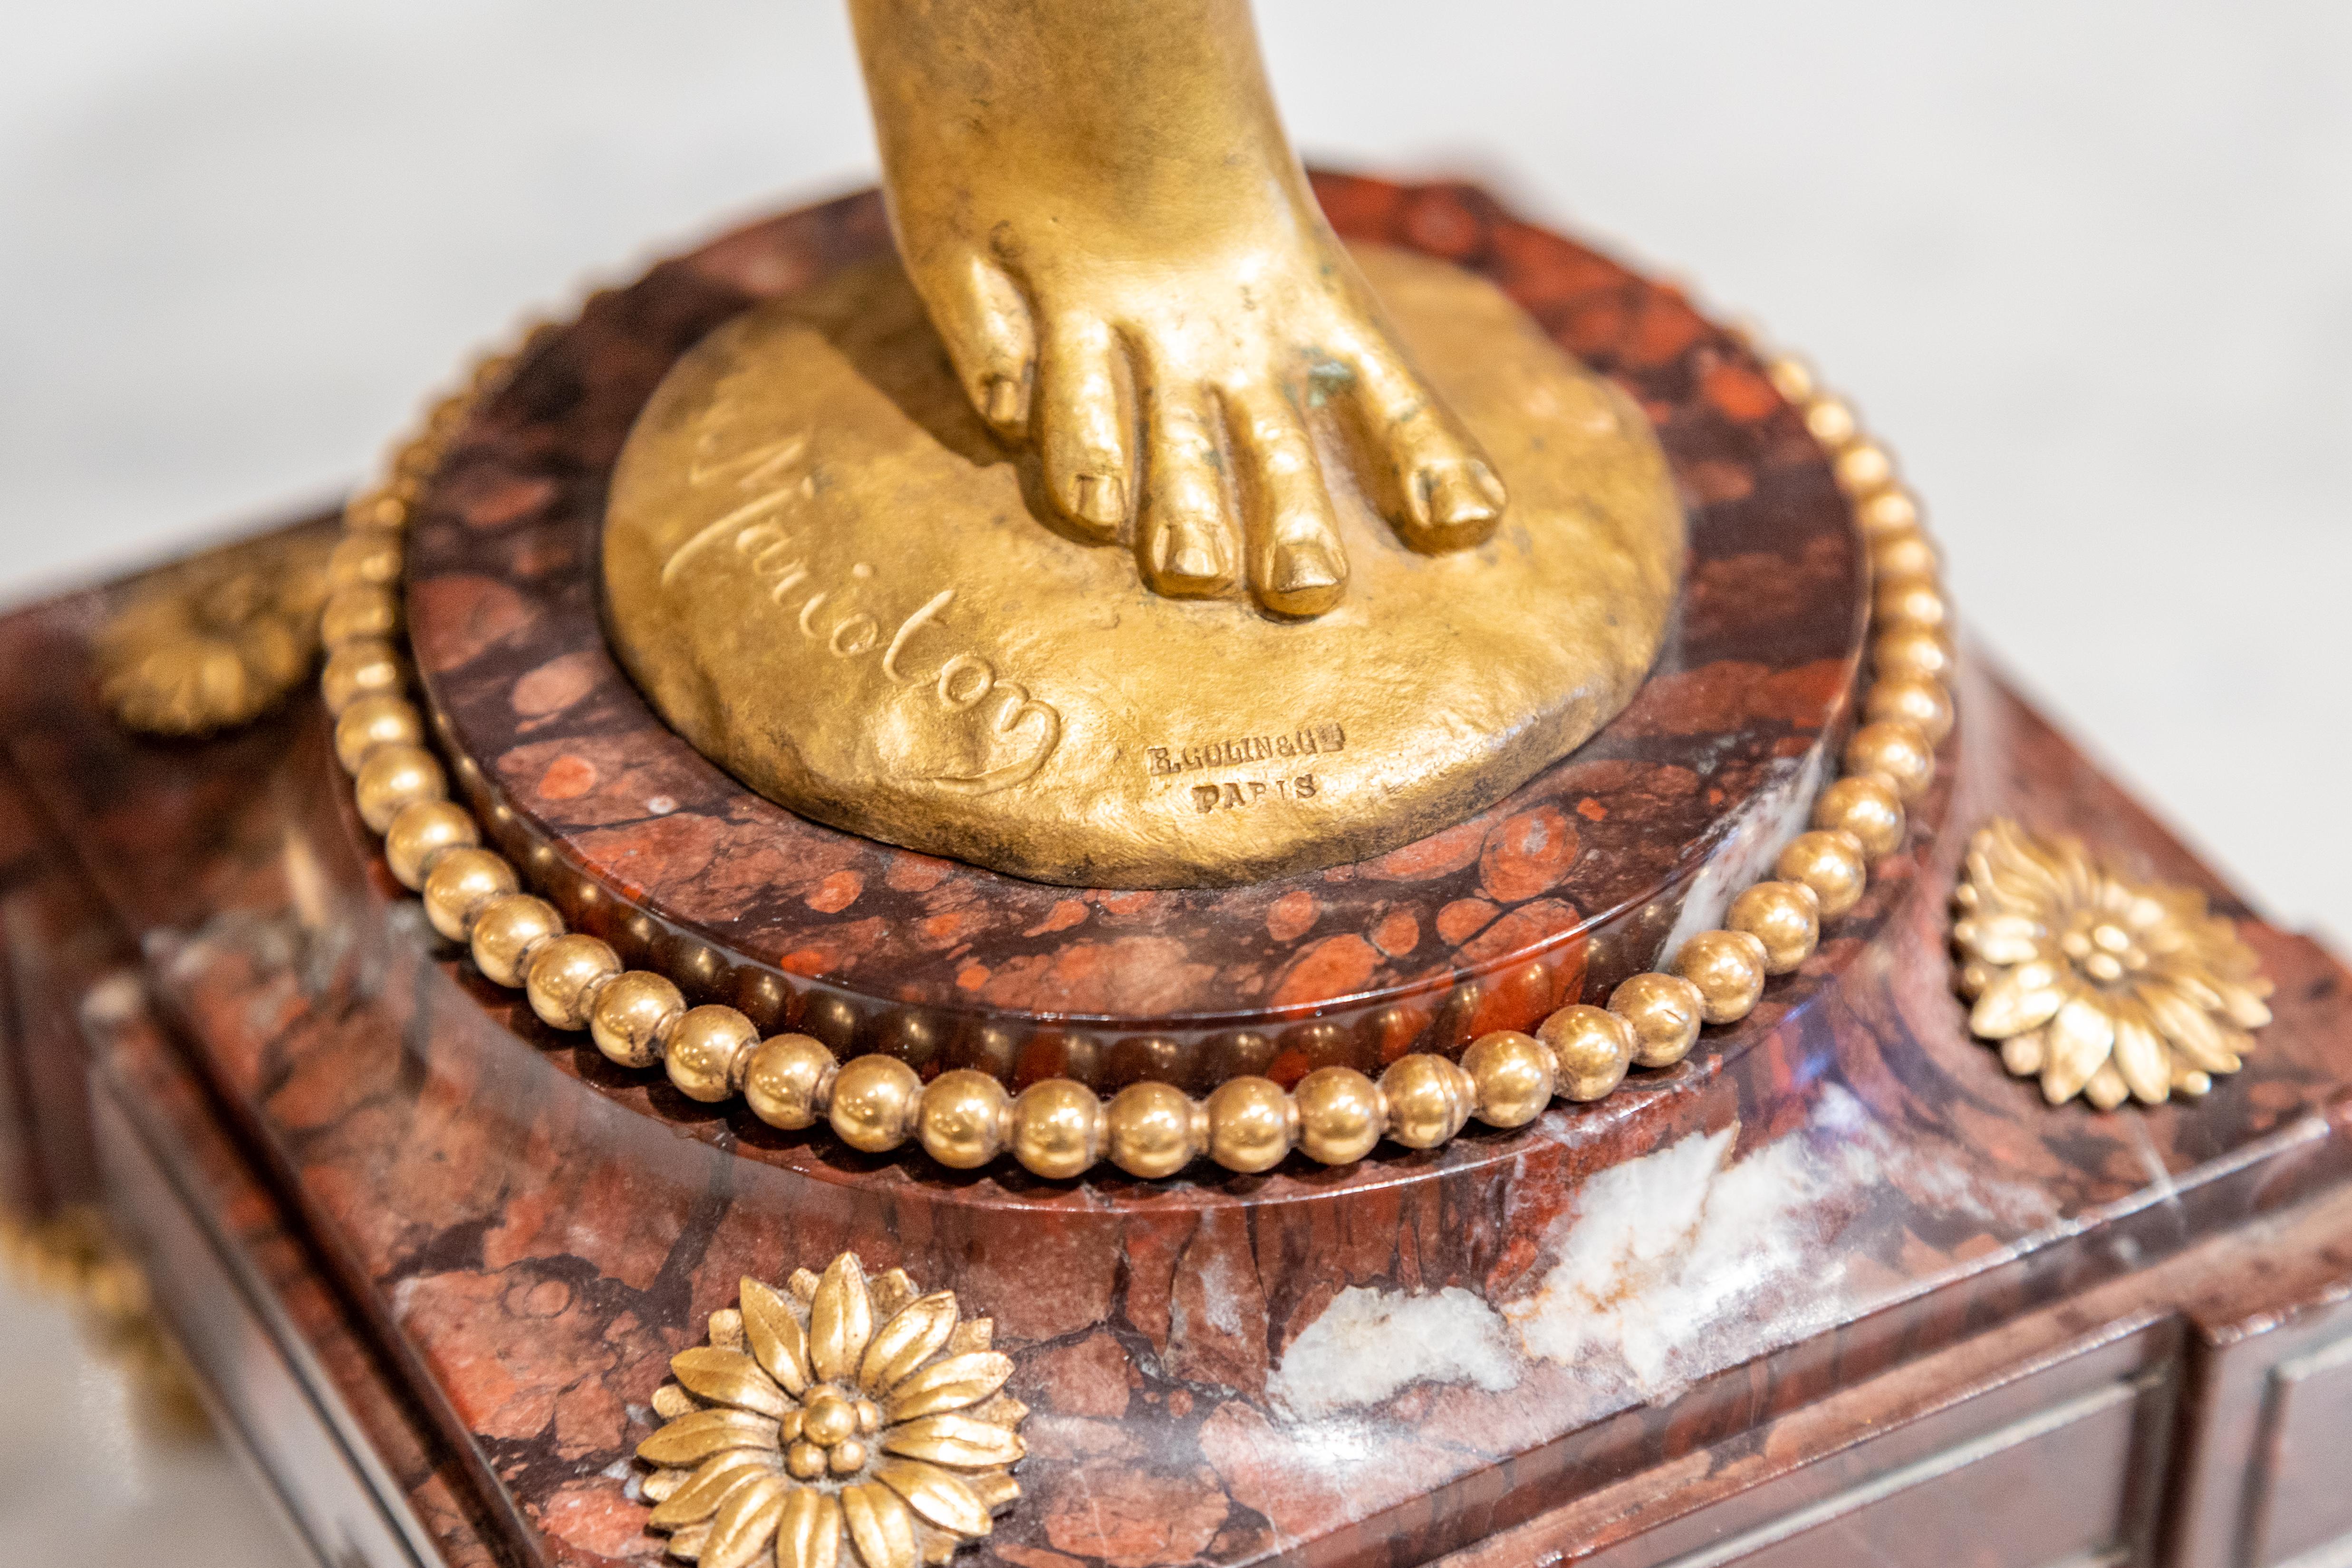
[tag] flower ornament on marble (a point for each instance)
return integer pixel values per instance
(216, 642)
(2098, 985)
(833, 1413)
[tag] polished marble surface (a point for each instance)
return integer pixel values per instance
(2090, 268)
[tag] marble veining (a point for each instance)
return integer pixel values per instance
(1659, 1261)
(1747, 848)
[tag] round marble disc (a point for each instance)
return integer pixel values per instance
(1582, 874)
(823, 570)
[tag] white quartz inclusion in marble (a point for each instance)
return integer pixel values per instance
(1658, 1270)
(1368, 1344)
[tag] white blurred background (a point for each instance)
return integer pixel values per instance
(2087, 264)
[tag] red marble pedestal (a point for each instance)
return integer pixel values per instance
(1836, 1289)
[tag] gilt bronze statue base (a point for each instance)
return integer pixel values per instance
(1003, 695)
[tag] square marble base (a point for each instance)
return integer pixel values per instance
(1853, 1296)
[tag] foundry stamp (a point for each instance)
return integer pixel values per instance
(1306, 740)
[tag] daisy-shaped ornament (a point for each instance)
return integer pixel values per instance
(216, 642)
(834, 1421)
(2098, 985)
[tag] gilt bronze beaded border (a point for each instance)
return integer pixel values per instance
(1059, 1128)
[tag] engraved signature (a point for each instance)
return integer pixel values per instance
(987, 733)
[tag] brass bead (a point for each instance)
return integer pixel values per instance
(1886, 512)
(790, 1081)
(1862, 469)
(1830, 422)
(422, 830)
(491, 370)
(363, 611)
(1150, 1130)
(504, 932)
(463, 879)
(846, 1458)
(1510, 1077)
(392, 777)
(1918, 702)
(962, 1118)
(634, 1016)
(355, 669)
(565, 975)
(418, 456)
(375, 508)
(1894, 751)
(1664, 1011)
(379, 718)
(1831, 863)
(1866, 807)
(875, 1099)
(1908, 602)
(1058, 1126)
(367, 558)
(1249, 1125)
(707, 1051)
(1791, 377)
(1590, 1050)
(1428, 1098)
(1904, 552)
(1340, 1116)
(805, 1460)
(1785, 916)
(1727, 968)
(1917, 652)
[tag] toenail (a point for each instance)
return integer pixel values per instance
(1002, 400)
(1102, 498)
(1457, 496)
(1186, 556)
(1297, 567)
(1193, 562)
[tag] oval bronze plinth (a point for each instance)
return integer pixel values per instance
(830, 578)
